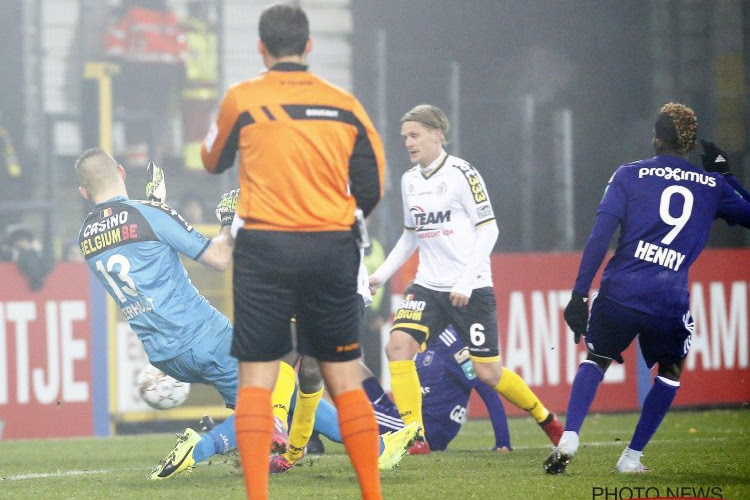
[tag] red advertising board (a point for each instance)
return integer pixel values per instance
(46, 355)
(717, 370)
(533, 289)
(54, 368)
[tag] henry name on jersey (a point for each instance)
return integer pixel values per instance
(664, 256)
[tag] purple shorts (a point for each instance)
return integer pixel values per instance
(612, 327)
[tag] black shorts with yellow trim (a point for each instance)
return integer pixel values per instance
(424, 311)
(311, 276)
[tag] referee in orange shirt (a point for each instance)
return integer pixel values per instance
(309, 155)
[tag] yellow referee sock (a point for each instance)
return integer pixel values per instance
(281, 398)
(407, 391)
(303, 422)
(514, 389)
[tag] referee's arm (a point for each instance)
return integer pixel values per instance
(367, 163)
(219, 148)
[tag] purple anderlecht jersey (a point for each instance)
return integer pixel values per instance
(666, 207)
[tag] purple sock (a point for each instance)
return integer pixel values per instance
(655, 406)
(582, 394)
(386, 413)
(373, 389)
(387, 416)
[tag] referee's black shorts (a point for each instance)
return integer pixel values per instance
(310, 275)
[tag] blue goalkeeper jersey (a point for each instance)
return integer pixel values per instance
(665, 207)
(133, 249)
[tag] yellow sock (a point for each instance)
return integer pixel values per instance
(514, 389)
(407, 391)
(281, 398)
(303, 422)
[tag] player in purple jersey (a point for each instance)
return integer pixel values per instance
(665, 207)
(447, 376)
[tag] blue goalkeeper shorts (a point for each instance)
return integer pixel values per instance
(207, 362)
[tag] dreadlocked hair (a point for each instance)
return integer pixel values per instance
(677, 126)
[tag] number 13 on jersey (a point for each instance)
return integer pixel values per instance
(122, 264)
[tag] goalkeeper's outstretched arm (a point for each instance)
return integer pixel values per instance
(219, 253)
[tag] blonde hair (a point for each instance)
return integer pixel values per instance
(430, 116)
(676, 126)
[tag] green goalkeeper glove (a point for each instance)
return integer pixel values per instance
(156, 188)
(226, 207)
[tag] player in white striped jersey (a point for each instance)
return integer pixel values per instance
(448, 216)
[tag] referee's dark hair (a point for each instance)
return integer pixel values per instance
(676, 127)
(284, 29)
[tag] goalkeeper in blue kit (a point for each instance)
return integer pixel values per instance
(133, 247)
(664, 207)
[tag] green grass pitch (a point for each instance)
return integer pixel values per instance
(694, 454)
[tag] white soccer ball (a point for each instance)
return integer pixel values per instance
(159, 390)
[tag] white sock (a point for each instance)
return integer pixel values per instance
(632, 454)
(568, 443)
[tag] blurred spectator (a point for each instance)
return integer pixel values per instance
(192, 209)
(201, 79)
(11, 166)
(72, 252)
(13, 179)
(146, 41)
(21, 246)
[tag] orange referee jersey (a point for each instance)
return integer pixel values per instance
(308, 151)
